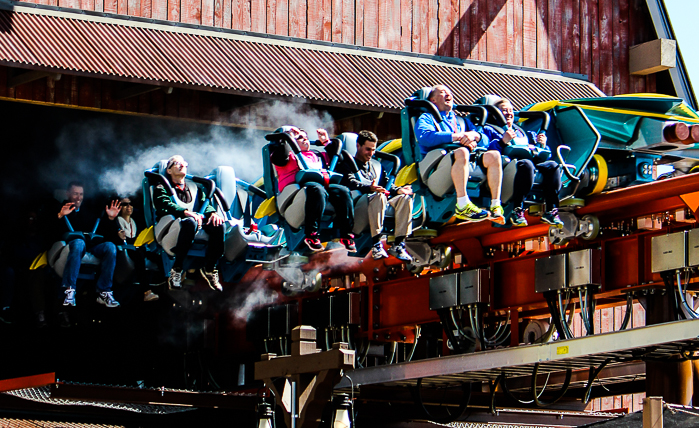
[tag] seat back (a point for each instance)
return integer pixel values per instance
(573, 129)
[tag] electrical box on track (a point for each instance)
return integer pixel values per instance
(669, 252)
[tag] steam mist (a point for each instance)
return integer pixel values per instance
(113, 154)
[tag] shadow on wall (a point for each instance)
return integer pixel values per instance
(493, 31)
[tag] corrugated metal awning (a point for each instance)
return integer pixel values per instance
(214, 59)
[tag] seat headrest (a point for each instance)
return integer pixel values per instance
(423, 93)
(349, 142)
(224, 177)
(285, 129)
(161, 167)
(488, 100)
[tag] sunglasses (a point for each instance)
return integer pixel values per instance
(126, 204)
(183, 164)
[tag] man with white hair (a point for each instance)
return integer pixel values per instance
(181, 206)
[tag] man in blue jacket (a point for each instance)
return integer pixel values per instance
(431, 134)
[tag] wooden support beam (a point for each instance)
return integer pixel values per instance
(136, 90)
(653, 412)
(19, 78)
(313, 374)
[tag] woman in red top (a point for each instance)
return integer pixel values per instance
(287, 165)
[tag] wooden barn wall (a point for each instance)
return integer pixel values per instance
(589, 37)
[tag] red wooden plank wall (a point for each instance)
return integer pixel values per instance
(588, 37)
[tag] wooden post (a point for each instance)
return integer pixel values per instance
(313, 372)
(653, 412)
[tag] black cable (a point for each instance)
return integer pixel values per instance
(555, 315)
(446, 419)
(458, 327)
(564, 388)
(629, 310)
(493, 387)
(584, 312)
(509, 394)
(591, 379)
(449, 332)
(565, 332)
(672, 297)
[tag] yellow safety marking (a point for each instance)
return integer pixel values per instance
(407, 175)
(561, 350)
(145, 237)
(392, 146)
(602, 175)
(40, 261)
(266, 208)
(643, 95)
(551, 104)
(543, 106)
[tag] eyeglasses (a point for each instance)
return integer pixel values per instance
(173, 163)
(126, 204)
(301, 138)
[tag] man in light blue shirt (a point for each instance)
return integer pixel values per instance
(430, 135)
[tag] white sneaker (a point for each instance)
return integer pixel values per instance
(377, 252)
(70, 297)
(175, 279)
(107, 299)
(211, 279)
(149, 296)
(400, 252)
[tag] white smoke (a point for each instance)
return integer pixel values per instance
(115, 155)
(254, 296)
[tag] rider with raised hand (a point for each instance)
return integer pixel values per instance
(187, 193)
(526, 170)
(287, 165)
(431, 134)
(82, 220)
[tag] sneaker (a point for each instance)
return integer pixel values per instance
(211, 279)
(552, 218)
(312, 241)
(106, 298)
(149, 296)
(400, 252)
(348, 242)
(70, 297)
(470, 212)
(497, 214)
(377, 252)
(175, 279)
(517, 218)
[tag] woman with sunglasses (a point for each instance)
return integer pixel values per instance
(128, 233)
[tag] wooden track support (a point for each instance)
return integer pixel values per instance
(310, 376)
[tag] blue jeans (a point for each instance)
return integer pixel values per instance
(105, 251)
